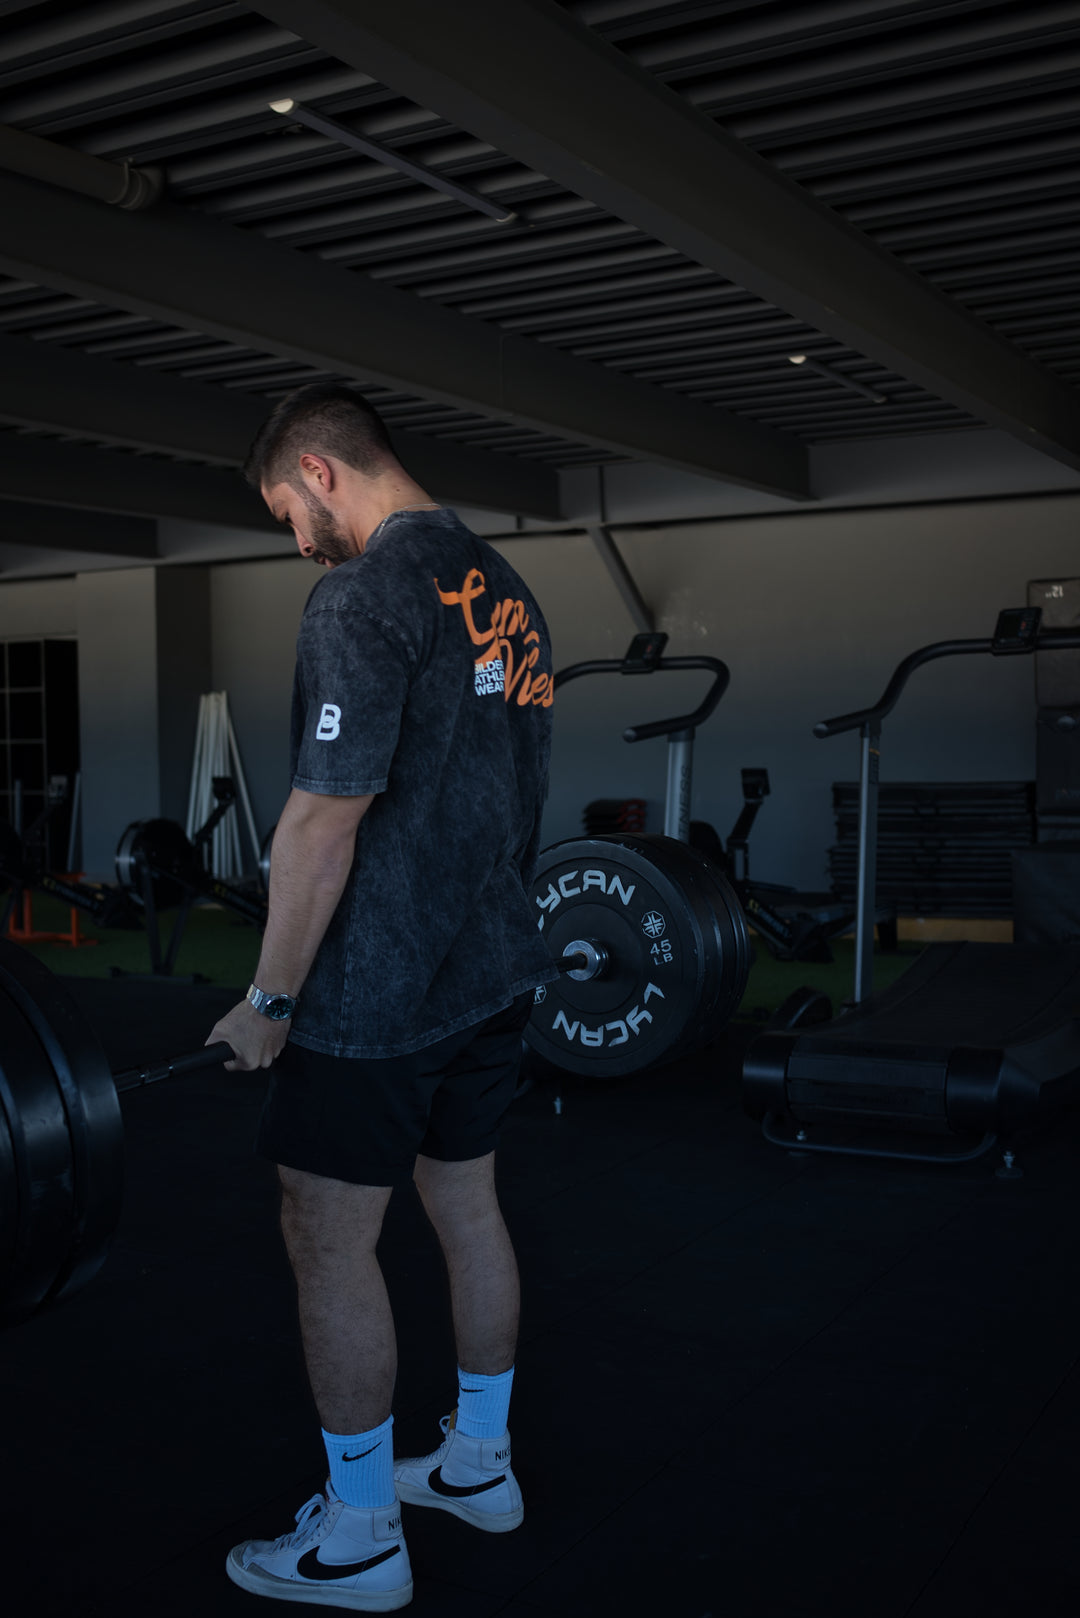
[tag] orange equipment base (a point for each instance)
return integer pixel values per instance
(26, 933)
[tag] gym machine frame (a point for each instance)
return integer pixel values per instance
(645, 656)
(153, 852)
(957, 1045)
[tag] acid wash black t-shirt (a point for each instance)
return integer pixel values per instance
(423, 675)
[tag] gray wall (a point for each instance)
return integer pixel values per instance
(255, 613)
(144, 659)
(183, 673)
(118, 708)
(32, 608)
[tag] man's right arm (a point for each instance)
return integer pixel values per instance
(313, 851)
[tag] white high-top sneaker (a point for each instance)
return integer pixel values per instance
(336, 1556)
(470, 1477)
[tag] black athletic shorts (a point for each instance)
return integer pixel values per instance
(365, 1122)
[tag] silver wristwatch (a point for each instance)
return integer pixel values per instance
(276, 1006)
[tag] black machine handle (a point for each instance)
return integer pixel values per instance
(658, 727)
(1047, 640)
(224, 790)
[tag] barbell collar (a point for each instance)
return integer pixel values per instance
(583, 960)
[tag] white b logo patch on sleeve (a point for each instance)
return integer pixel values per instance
(329, 727)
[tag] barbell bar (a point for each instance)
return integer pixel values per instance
(652, 952)
(61, 1132)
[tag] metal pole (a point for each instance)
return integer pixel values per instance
(73, 829)
(622, 578)
(680, 778)
(866, 900)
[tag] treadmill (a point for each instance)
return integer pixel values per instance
(973, 1042)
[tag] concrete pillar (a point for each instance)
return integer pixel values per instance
(144, 660)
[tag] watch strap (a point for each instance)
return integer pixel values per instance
(261, 1001)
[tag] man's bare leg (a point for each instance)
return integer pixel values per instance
(469, 1475)
(348, 1548)
(331, 1229)
(461, 1202)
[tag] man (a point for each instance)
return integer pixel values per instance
(396, 973)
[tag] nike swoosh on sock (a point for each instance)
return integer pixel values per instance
(361, 1455)
(309, 1566)
(453, 1491)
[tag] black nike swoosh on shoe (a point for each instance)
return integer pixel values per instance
(309, 1566)
(453, 1491)
(362, 1453)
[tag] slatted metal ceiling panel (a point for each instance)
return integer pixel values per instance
(946, 131)
(187, 87)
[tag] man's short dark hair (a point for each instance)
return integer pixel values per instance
(322, 418)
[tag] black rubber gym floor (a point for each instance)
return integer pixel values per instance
(750, 1385)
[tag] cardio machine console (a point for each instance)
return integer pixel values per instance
(644, 652)
(1017, 630)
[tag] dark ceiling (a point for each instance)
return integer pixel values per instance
(663, 203)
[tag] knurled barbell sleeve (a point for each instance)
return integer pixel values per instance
(173, 1066)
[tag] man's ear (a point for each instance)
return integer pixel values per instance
(317, 471)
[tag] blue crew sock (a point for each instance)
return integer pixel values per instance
(483, 1404)
(362, 1466)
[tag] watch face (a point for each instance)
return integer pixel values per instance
(276, 1006)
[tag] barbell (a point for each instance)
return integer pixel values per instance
(652, 953)
(61, 1133)
(61, 1137)
(672, 952)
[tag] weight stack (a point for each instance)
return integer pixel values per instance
(944, 847)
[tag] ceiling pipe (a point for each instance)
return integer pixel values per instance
(115, 183)
(286, 107)
(842, 377)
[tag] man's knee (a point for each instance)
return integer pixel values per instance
(457, 1194)
(330, 1212)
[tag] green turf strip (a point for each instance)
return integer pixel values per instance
(772, 981)
(224, 949)
(217, 944)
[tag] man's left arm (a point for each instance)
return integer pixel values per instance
(313, 851)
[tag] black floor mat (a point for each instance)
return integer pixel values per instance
(749, 1384)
